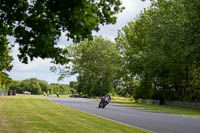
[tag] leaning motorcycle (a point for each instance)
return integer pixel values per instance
(103, 102)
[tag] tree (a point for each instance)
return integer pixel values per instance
(5, 58)
(38, 24)
(37, 86)
(31, 85)
(63, 89)
(97, 64)
(4, 80)
(160, 50)
(44, 85)
(74, 84)
(15, 85)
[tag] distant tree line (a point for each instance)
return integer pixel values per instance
(36, 86)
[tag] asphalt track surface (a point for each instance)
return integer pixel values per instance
(149, 120)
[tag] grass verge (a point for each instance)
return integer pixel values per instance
(191, 112)
(61, 96)
(36, 114)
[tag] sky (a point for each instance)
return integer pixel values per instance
(40, 69)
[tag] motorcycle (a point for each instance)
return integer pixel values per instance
(104, 101)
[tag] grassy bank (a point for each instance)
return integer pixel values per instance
(61, 96)
(36, 114)
(191, 112)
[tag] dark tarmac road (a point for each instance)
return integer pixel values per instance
(156, 122)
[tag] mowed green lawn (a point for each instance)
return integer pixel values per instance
(37, 114)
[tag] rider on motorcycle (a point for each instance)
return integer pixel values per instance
(104, 101)
(107, 98)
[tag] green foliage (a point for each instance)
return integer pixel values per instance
(15, 85)
(74, 85)
(97, 64)
(38, 24)
(31, 85)
(63, 89)
(5, 58)
(44, 85)
(4, 80)
(160, 49)
(36, 86)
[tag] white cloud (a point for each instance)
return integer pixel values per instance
(39, 68)
(132, 9)
(63, 41)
